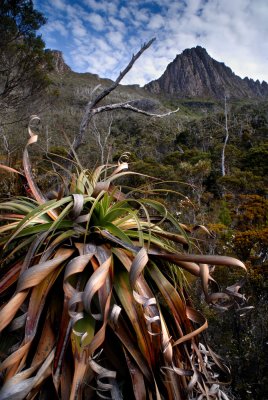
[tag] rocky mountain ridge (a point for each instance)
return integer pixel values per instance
(194, 74)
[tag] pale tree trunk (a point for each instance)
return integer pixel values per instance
(7, 148)
(102, 139)
(226, 128)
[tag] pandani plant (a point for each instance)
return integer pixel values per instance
(94, 296)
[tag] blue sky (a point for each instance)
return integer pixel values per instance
(100, 36)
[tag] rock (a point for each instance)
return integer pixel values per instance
(58, 62)
(194, 74)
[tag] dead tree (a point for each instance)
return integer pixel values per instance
(226, 128)
(92, 107)
(102, 136)
(7, 147)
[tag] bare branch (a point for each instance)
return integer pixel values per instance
(89, 111)
(122, 74)
(127, 106)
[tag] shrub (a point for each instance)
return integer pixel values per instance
(95, 298)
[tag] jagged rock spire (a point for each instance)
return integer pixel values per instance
(193, 73)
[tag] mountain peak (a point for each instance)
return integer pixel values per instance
(193, 73)
(197, 49)
(58, 62)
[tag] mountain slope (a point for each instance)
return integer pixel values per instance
(194, 73)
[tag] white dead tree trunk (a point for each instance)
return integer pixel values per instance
(7, 148)
(226, 128)
(48, 139)
(102, 137)
(93, 109)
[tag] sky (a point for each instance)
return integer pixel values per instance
(100, 36)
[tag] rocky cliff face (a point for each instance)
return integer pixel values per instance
(195, 74)
(58, 62)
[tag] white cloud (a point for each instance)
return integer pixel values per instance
(78, 28)
(150, 67)
(232, 31)
(60, 4)
(57, 26)
(102, 45)
(156, 22)
(115, 39)
(73, 11)
(142, 16)
(117, 24)
(101, 63)
(96, 20)
(108, 7)
(124, 13)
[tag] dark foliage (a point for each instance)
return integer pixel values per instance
(23, 60)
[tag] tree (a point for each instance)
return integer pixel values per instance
(226, 128)
(23, 59)
(102, 135)
(224, 124)
(194, 175)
